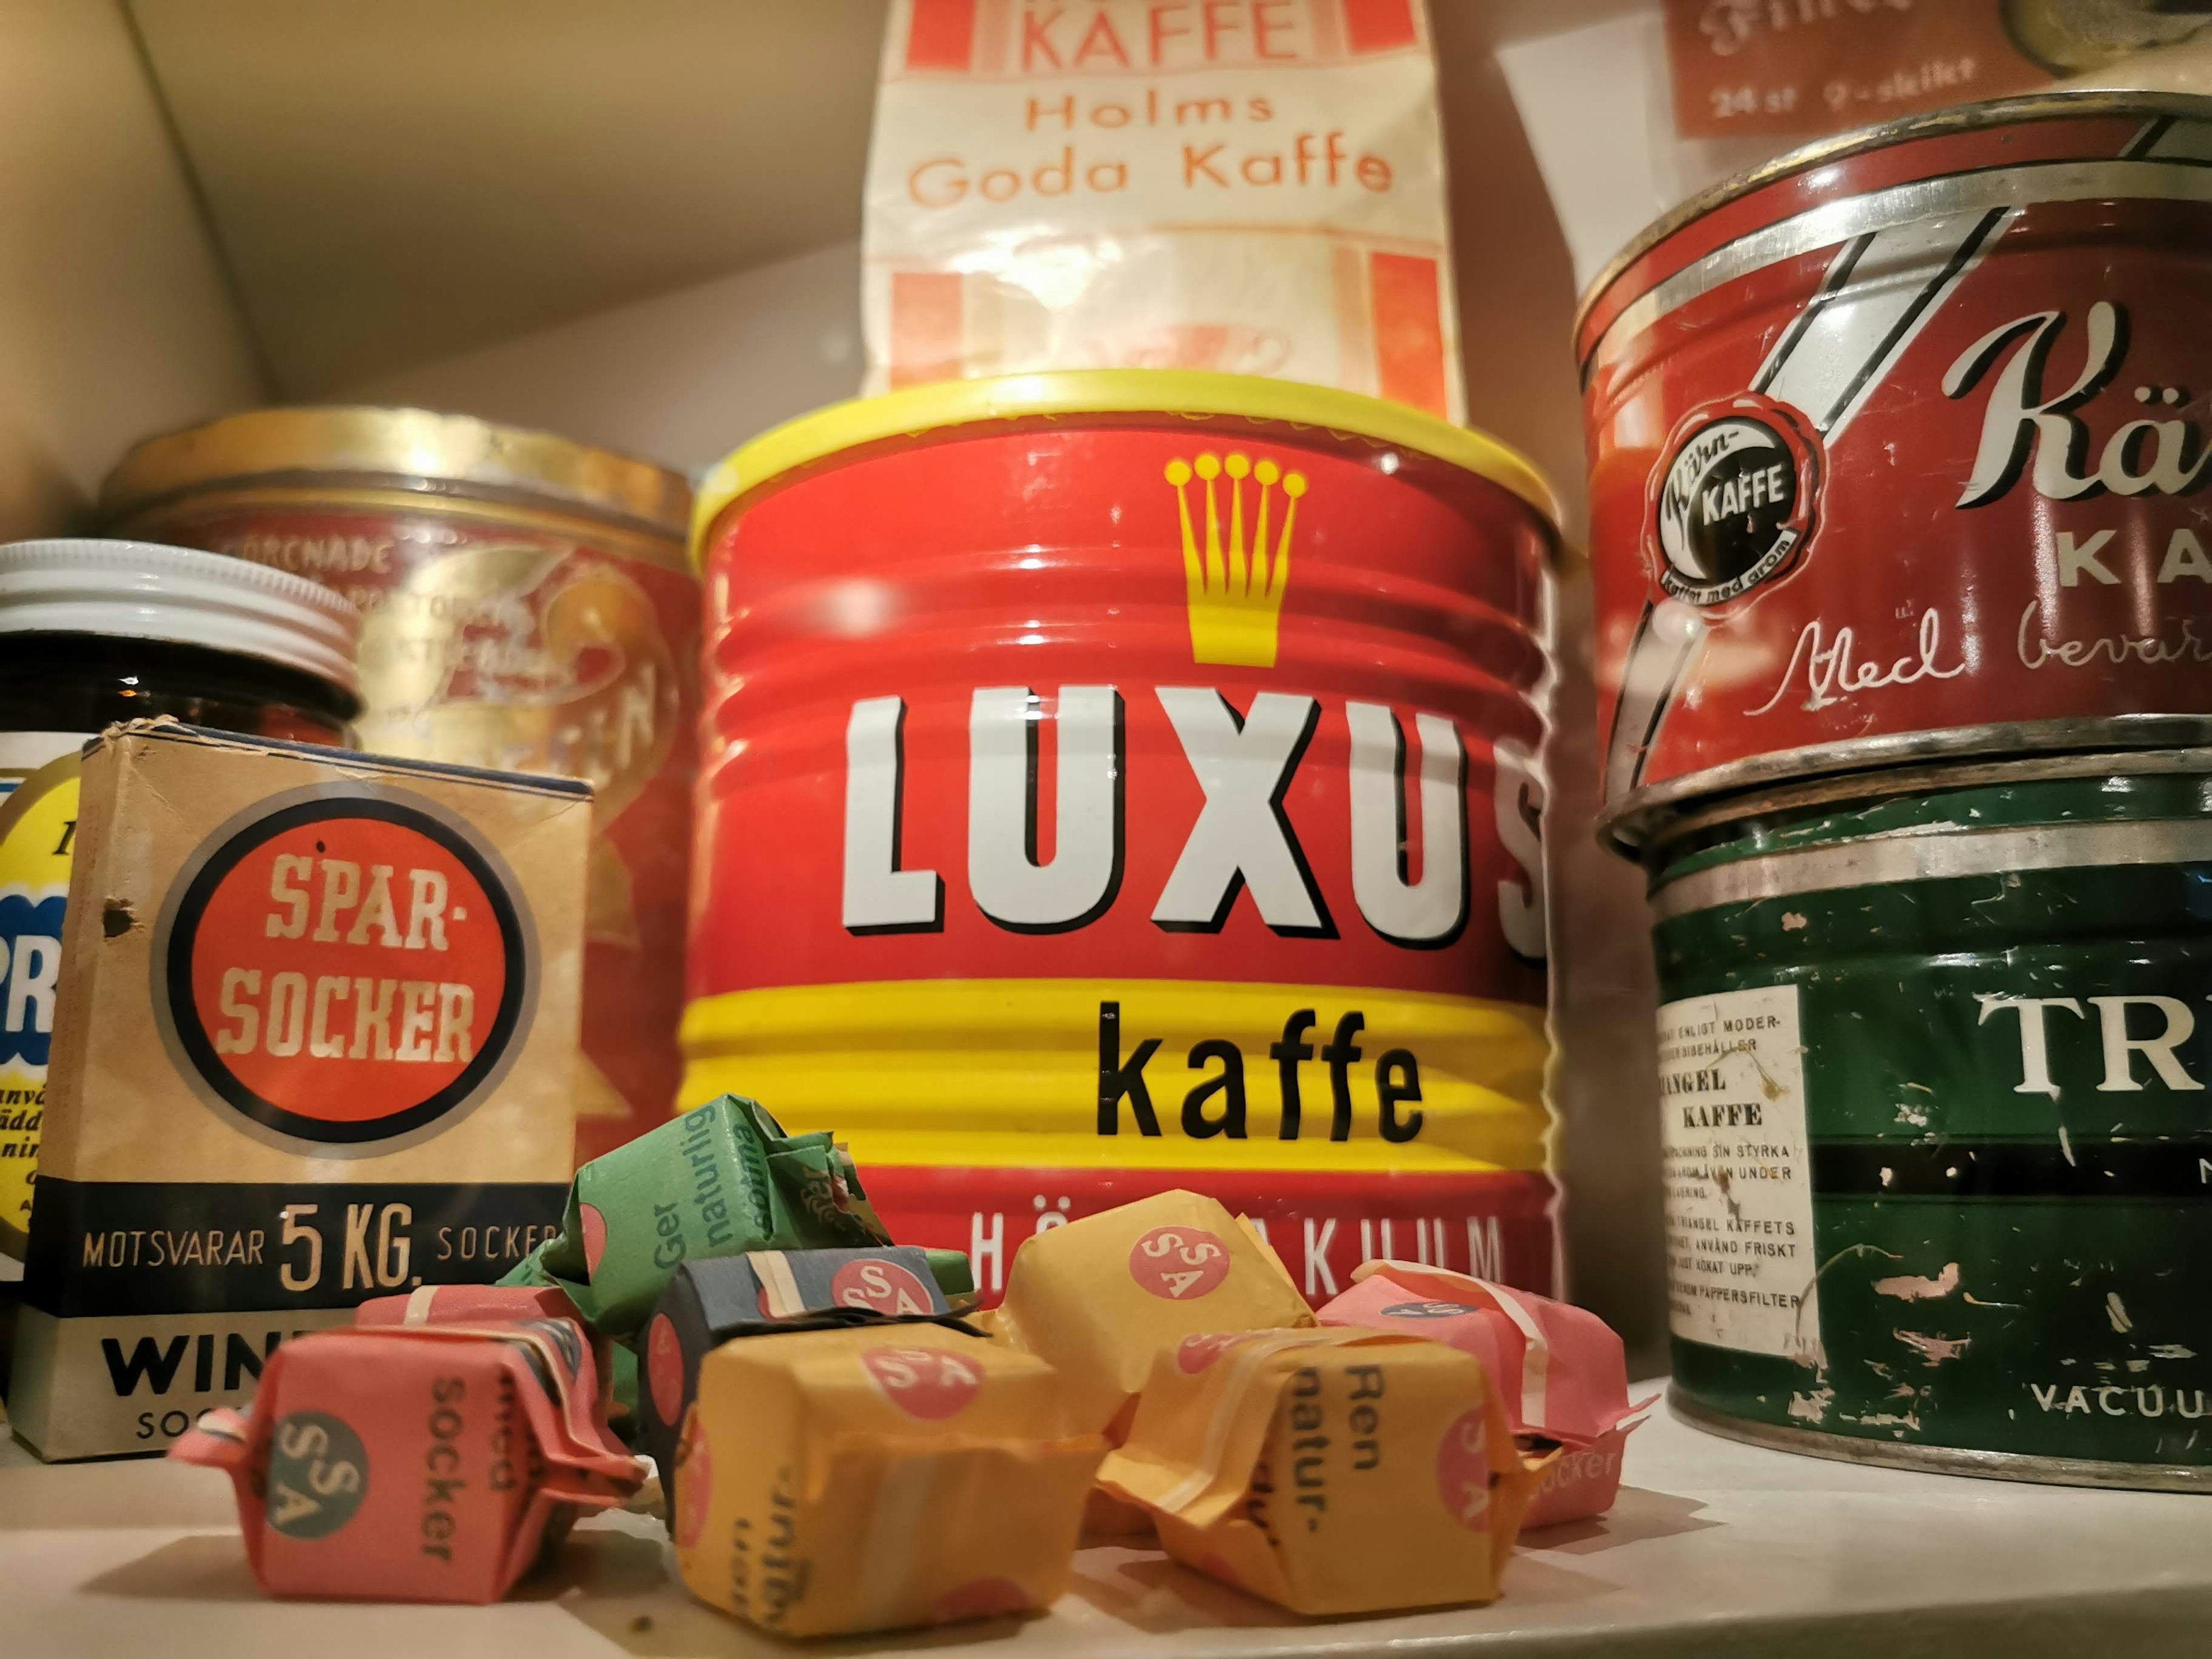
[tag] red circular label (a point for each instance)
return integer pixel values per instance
(1464, 1473)
(1180, 1264)
(1194, 1353)
(663, 1368)
(931, 1384)
(882, 1287)
(345, 969)
(695, 1482)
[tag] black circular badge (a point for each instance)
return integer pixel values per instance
(1735, 499)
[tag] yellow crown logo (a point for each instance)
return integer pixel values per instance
(1236, 589)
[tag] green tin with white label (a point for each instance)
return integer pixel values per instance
(1936, 1073)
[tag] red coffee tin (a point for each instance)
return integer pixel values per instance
(1897, 448)
(1122, 781)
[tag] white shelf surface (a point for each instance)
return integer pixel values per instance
(1715, 1548)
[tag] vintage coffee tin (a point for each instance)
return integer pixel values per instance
(1123, 781)
(529, 608)
(1933, 1073)
(1896, 446)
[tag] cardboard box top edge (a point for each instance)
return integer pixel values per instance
(167, 728)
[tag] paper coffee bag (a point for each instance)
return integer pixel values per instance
(1251, 186)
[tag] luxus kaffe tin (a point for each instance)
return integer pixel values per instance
(1898, 449)
(1933, 1066)
(1122, 781)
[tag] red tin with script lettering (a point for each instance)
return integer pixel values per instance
(1122, 781)
(1898, 449)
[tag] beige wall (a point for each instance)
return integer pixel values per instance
(1517, 299)
(114, 320)
(683, 379)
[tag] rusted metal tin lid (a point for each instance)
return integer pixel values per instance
(1957, 119)
(453, 453)
(1077, 392)
(1878, 801)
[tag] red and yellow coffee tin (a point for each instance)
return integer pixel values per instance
(1897, 449)
(1122, 781)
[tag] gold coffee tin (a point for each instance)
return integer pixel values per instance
(425, 451)
(529, 607)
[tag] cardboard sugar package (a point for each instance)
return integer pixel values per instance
(314, 1043)
(1560, 1371)
(721, 1180)
(1249, 186)
(717, 1300)
(416, 1462)
(1100, 1296)
(1329, 1472)
(835, 1481)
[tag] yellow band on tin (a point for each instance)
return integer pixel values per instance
(1076, 392)
(1008, 1072)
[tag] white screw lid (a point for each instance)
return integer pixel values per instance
(143, 590)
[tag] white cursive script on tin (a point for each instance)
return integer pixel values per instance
(2184, 645)
(2028, 428)
(1832, 675)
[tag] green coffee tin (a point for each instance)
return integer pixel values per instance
(1936, 1073)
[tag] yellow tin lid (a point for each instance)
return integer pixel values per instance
(919, 409)
(264, 445)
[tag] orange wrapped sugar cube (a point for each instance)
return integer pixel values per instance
(1101, 1298)
(877, 1477)
(1330, 1472)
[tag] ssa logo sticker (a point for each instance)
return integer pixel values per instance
(349, 969)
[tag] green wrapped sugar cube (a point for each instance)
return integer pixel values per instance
(954, 1273)
(722, 1180)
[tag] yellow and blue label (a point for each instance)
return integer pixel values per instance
(38, 832)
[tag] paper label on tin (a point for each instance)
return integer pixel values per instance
(38, 829)
(1740, 1254)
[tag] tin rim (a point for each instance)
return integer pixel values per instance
(1694, 875)
(1961, 118)
(1856, 787)
(1941, 1460)
(916, 410)
(342, 440)
(1648, 817)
